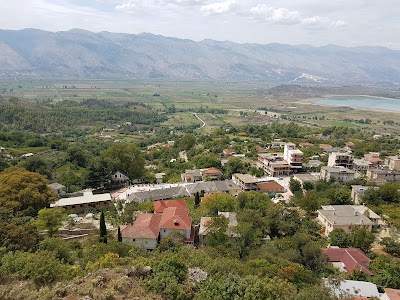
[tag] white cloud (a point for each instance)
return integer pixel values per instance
(280, 15)
(219, 7)
(289, 17)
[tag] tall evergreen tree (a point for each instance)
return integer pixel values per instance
(103, 228)
(119, 235)
(196, 199)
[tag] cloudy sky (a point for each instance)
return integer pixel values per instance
(316, 22)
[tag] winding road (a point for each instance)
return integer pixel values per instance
(204, 123)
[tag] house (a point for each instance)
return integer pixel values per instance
(393, 162)
(82, 203)
(144, 233)
(374, 159)
(361, 165)
(340, 174)
(293, 156)
(245, 181)
(325, 146)
(2, 150)
(149, 229)
(158, 194)
(306, 178)
(340, 159)
(274, 164)
(26, 155)
(160, 206)
(349, 288)
(306, 145)
(57, 188)
(120, 177)
(384, 173)
(391, 294)
(211, 174)
(358, 191)
(192, 176)
(312, 164)
(277, 143)
(228, 152)
(346, 217)
(210, 187)
(270, 187)
(348, 259)
(206, 221)
(159, 177)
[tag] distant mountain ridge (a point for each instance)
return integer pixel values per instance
(83, 53)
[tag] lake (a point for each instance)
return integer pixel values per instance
(361, 102)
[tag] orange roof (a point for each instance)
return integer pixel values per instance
(271, 186)
(175, 218)
(229, 151)
(306, 144)
(159, 206)
(393, 294)
(325, 146)
(212, 171)
(145, 227)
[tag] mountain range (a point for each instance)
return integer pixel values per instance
(81, 53)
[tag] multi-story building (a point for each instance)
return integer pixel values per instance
(293, 156)
(274, 164)
(341, 159)
(384, 174)
(346, 217)
(393, 162)
(245, 181)
(340, 174)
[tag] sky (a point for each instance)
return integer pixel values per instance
(314, 22)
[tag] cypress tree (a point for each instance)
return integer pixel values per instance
(196, 199)
(119, 235)
(103, 228)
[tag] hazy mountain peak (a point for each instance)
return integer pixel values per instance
(79, 52)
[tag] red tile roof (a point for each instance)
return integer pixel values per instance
(271, 186)
(175, 218)
(212, 171)
(159, 206)
(393, 294)
(352, 258)
(145, 227)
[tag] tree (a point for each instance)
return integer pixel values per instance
(98, 173)
(125, 158)
(23, 193)
(50, 219)
(338, 237)
(294, 185)
(340, 196)
(308, 185)
(219, 202)
(247, 238)
(361, 238)
(186, 142)
(253, 200)
(197, 200)
(103, 229)
(38, 165)
(391, 246)
(234, 165)
(119, 235)
(77, 156)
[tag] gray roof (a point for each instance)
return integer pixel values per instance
(212, 186)
(385, 171)
(159, 194)
(361, 189)
(338, 170)
(344, 215)
(307, 177)
(354, 288)
(246, 178)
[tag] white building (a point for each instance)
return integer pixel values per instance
(293, 156)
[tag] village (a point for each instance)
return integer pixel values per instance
(285, 175)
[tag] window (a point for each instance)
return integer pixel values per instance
(133, 240)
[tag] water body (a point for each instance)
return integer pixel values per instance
(362, 102)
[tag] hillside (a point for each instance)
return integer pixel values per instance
(82, 53)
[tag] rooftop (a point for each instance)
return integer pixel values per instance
(344, 215)
(352, 258)
(338, 170)
(87, 197)
(246, 178)
(160, 206)
(145, 227)
(354, 288)
(270, 186)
